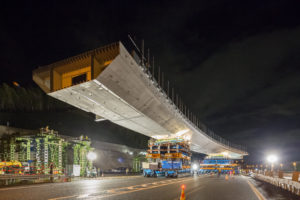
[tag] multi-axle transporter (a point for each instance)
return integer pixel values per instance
(167, 157)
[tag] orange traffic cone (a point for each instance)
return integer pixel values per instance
(182, 196)
(226, 177)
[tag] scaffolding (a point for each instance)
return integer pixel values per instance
(46, 152)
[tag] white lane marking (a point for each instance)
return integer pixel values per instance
(141, 189)
(46, 185)
(65, 197)
(83, 196)
(116, 191)
(187, 192)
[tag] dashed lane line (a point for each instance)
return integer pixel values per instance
(125, 190)
(65, 197)
(141, 189)
(188, 192)
(47, 184)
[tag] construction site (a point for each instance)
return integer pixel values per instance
(44, 152)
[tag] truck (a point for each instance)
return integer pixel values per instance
(169, 157)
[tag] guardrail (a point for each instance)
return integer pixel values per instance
(286, 184)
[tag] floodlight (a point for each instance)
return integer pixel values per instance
(195, 166)
(91, 156)
(272, 158)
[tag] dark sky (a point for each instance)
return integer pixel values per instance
(235, 63)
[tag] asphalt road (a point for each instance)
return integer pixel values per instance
(140, 188)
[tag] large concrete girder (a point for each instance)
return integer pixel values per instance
(122, 92)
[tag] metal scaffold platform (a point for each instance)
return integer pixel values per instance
(44, 152)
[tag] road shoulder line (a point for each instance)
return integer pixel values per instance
(256, 192)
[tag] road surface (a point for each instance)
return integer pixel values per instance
(140, 188)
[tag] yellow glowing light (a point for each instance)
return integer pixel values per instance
(225, 153)
(180, 133)
(160, 136)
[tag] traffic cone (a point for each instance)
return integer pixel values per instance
(226, 177)
(182, 196)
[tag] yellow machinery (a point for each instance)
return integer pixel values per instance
(10, 167)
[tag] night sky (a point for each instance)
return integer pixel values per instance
(235, 63)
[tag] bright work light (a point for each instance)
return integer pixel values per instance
(195, 166)
(91, 156)
(272, 158)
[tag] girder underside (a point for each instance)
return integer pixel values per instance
(94, 97)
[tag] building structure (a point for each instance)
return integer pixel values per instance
(110, 156)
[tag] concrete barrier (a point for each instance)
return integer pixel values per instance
(286, 184)
(10, 179)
